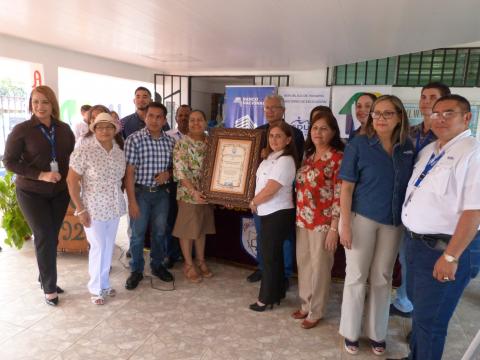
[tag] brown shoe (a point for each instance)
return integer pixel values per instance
(191, 274)
(204, 270)
(306, 324)
(298, 314)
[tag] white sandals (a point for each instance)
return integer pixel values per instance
(97, 300)
(109, 292)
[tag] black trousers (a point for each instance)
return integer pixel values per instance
(276, 228)
(44, 214)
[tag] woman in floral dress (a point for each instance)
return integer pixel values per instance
(318, 210)
(195, 215)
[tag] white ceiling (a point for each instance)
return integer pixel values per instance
(193, 36)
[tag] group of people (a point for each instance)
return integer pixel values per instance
(94, 167)
(392, 187)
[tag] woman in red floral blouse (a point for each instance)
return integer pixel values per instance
(318, 209)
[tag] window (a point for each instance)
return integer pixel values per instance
(458, 67)
(372, 72)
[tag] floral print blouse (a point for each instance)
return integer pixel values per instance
(188, 156)
(318, 191)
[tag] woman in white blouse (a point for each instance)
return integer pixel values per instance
(97, 169)
(273, 202)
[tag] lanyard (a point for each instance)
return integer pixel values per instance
(431, 163)
(419, 145)
(50, 136)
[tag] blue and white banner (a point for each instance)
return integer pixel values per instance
(249, 236)
(244, 105)
(300, 101)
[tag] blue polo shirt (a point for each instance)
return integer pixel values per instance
(130, 124)
(380, 179)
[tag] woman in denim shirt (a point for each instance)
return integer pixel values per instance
(375, 171)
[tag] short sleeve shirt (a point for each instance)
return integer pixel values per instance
(149, 155)
(318, 191)
(80, 129)
(380, 179)
(102, 172)
(451, 187)
(282, 170)
(188, 156)
(419, 138)
(175, 134)
(131, 124)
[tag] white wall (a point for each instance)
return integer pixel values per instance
(52, 58)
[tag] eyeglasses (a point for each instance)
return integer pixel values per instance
(386, 114)
(273, 108)
(447, 115)
(103, 128)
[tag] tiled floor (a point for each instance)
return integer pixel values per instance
(206, 321)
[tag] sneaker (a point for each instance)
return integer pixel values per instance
(133, 280)
(255, 276)
(162, 273)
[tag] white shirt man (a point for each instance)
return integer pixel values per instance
(80, 128)
(442, 215)
(181, 118)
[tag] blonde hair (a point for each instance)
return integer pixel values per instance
(51, 97)
(400, 133)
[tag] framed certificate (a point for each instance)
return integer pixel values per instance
(232, 160)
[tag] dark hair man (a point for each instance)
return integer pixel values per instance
(441, 214)
(136, 121)
(148, 152)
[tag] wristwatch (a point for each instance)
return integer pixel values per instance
(450, 259)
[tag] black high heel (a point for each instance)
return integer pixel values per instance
(59, 289)
(52, 302)
(260, 308)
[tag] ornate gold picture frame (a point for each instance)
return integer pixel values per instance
(230, 166)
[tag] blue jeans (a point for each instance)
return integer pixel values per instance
(172, 247)
(402, 302)
(153, 211)
(434, 302)
(288, 249)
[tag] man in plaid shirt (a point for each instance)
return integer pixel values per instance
(149, 170)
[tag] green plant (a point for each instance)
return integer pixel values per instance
(12, 220)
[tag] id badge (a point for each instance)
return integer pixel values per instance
(54, 166)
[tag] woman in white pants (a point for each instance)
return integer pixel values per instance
(375, 171)
(94, 182)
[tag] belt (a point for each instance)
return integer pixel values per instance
(152, 188)
(437, 237)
